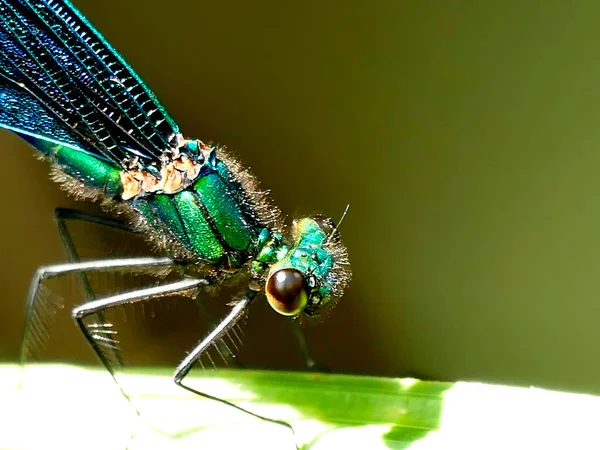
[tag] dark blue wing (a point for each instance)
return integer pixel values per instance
(26, 116)
(73, 87)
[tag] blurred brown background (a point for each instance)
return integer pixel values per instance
(465, 136)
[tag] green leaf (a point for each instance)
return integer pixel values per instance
(66, 407)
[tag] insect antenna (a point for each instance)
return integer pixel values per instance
(337, 227)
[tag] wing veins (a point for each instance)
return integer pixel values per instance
(103, 82)
(78, 109)
(157, 117)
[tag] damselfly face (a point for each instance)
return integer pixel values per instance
(314, 272)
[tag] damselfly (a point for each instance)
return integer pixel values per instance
(107, 139)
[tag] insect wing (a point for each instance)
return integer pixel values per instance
(70, 76)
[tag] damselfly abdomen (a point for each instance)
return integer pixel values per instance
(107, 139)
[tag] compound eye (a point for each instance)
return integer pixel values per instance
(286, 292)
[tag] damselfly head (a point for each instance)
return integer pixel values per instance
(314, 272)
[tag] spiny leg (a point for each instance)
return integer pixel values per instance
(227, 325)
(96, 336)
(61, 216)
(34, 321)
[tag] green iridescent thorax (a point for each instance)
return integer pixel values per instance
(212, 219)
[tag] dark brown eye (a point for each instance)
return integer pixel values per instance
(286, 292)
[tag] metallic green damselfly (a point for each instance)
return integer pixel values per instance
(107, 139)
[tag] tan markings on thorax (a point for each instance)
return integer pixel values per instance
(175, 176)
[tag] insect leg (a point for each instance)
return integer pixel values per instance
(308, 360)
(35, 320)
(99, 341)
(238, 310)
(61, 216)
